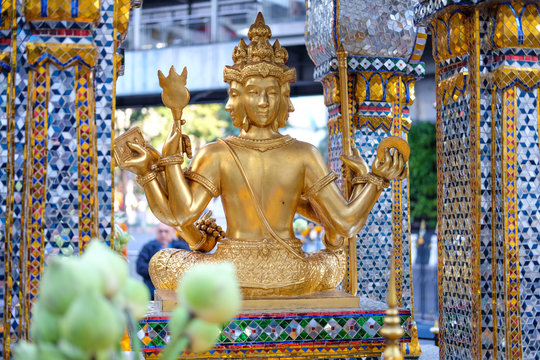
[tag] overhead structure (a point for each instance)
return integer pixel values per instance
(488, 111)
(367, 56)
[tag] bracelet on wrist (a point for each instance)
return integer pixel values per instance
(371, 178)
(146, 178)
(170, 160)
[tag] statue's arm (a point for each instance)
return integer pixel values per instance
(346, 217)
(188, 199)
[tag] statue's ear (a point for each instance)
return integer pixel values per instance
(245, 123)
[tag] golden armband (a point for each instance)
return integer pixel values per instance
(321, 183)
(207, 184)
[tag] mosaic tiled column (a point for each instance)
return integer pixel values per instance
(58, 66)
(381, 77)
(488, 74)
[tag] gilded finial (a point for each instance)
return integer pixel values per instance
(392, 331)
(175, 95)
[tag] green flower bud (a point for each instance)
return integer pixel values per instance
(72, 352)
(135, 297)
(55, 294)
(44, 326)
(202, 335)
(49, 352)
(111, 267)
(25, 351)
(211, 291)
(92, 323)
(178, 321)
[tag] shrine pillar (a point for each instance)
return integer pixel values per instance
(59, 62)
(379, 48)
(487, 74)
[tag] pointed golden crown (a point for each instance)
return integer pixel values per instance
(259, 58)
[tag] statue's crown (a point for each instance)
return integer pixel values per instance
(259, 58)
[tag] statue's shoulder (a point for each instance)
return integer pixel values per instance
(211, 149)
(305, 147)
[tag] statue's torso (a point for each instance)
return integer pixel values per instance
(277, 179)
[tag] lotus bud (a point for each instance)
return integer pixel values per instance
(178, 321)
(59, 285)
(92, 323)
(25, 351)
(202, 335)
(135, 297)
(72, 352)
(50, 352)
(45, 325)
(211, 291)
(110, 266)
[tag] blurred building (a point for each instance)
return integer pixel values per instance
(201, 36)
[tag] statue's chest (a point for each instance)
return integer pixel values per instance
(269, 172)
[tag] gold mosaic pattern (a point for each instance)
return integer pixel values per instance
(397, 208)
(378, 86)
(331, 89)
(475, 178)
(289, 352)
(453, 87)
(63, 55)
(505, 76)
(451, 35)
(58, 10)
(513, 304)
(121, 15)
(38, 168)
(516, 25)
(5, 57)
(5, 15)
(86, 153)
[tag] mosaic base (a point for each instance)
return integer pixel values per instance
(314, 335)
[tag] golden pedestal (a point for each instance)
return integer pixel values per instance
(331, 299)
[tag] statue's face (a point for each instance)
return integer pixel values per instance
(261, 98)
(234, 103)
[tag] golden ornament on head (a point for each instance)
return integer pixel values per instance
(259, 58)
(175, 95)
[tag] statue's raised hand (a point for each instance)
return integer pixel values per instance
(356, 163)
(142, 160)
(392, 167)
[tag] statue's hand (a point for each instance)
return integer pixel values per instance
(142, 160)
(173, 144)
(332, 241)
(392, 167)
(356, 163)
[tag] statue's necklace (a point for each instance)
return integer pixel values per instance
(260, 144)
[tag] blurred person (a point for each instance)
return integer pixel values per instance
(165, 238)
